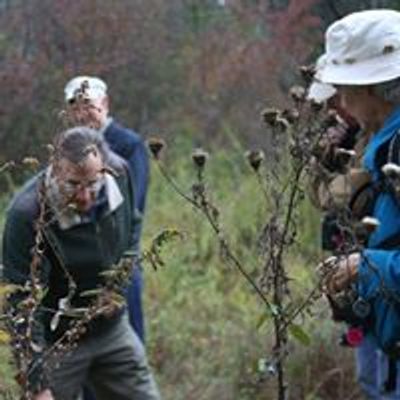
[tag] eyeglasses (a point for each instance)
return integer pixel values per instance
(71, 187)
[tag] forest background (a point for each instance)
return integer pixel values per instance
(196, 73)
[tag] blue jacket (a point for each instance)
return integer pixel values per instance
(379, 271)
(131, 147)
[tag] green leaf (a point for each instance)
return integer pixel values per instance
(263, 318)
(298, 333)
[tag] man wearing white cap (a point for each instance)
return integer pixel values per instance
(88, 104)
(362, 62)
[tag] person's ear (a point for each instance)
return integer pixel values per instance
(105, 102)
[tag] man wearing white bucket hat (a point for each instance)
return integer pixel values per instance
(362, 62)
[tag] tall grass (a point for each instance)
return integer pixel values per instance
(204, 333)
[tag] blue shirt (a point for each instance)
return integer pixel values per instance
(131, 147)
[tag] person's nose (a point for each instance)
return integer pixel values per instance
(83, 195)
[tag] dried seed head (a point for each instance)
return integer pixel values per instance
(156, 145)
(31, 162)
(50, 149)
(307, 73)
(282, 124)
(331, 119)
(200, 157)
(269, 115)
(291, 115)
(316, 106)
(255, 158)
(298, 94)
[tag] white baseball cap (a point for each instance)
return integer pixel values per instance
(319, 91)
(94, 87)
(362, 48)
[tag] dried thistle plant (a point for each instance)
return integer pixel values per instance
(156, 146)
(296, 134)
(153, 253)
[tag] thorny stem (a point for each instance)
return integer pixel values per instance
(173, 184)
(280, 324)
(228, 253)
(280, 336)
(290, 208)
(279, 282)
(263, 189)
(214, 225)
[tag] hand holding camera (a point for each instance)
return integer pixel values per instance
(339, 272)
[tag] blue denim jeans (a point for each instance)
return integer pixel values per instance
(372, 371)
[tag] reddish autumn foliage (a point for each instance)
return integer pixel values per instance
(171, 66)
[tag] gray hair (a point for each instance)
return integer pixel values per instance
(388, 91)
(77, 143)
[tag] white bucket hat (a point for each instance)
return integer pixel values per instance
(362, 48)
(95, 87)
(319, 91)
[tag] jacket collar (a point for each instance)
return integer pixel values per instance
(106, 125)
(389, 129)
